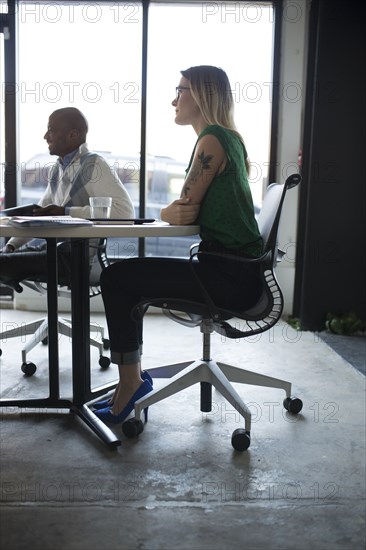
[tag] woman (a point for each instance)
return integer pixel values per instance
(215, 195)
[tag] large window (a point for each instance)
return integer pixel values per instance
(91, 55)
(3, 11)
(2, 126)
(237, 37)
(87, 55)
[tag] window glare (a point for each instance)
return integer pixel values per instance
(2, 126)
(237, 37)
(87, 56)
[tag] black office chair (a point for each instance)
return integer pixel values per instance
(39, 328)
(260, 318)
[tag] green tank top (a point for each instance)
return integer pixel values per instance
(227, 213)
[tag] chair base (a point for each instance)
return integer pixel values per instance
(210, 373)
(219, 375)
(39, 331)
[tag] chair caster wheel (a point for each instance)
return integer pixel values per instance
(240, 439)
(292, 404)
(28, 368)
(1, 352)
(132, 428)
(104, 362)
(106, 343)
(45, 341)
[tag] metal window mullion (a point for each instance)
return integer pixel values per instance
(10, 104)
(278, 14)
(143, 162)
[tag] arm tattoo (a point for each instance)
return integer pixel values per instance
(205, 160)
(196, 171)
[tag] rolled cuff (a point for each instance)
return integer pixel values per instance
(125, 358)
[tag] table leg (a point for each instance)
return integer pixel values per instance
(52, 307)
(80, 341)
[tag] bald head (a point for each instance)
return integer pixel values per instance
(67, 130)
(72, 118)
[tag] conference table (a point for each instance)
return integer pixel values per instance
(82, 393)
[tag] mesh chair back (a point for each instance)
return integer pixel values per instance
(270, 214)
(268, 218)
(98, 262)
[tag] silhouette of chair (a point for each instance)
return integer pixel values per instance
(260, 318)
(39, 328)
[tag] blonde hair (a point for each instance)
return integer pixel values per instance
(210, 88)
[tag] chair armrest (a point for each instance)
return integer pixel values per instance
(264, 258)
(194, 248)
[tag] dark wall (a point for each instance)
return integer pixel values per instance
(330, 273)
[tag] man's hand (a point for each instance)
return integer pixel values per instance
(180, 212)
(50, 210)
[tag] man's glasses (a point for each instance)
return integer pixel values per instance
(178, 91)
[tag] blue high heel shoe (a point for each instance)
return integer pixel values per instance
(106, 414)
(107, 402)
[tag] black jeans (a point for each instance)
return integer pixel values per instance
(124, 284)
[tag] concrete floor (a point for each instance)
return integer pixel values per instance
(180, 485)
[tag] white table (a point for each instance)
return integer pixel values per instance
(82, 391)
(156, 229)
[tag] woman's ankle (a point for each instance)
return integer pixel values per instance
(130, 374)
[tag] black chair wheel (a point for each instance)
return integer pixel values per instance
(28, 368)
(240, 439)
(106, 343)
(1, 352)
(45, 341)
(104, 362)
(292, 404)
(132, 428)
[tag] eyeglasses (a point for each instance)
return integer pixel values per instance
(178, 91)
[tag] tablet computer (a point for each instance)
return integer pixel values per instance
(121, 221)
(47, 221)
(24, 210)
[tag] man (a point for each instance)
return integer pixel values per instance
(77, 175)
